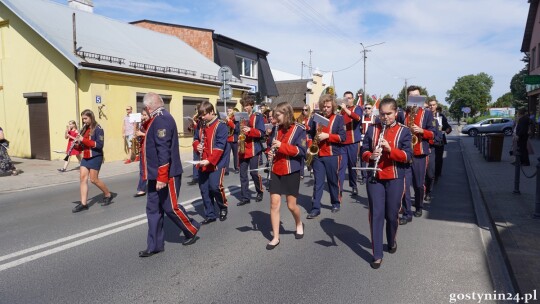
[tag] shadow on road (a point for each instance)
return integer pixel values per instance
(348, 235)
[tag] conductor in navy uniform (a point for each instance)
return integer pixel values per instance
(162, 168)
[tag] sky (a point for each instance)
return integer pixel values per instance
(424, 42)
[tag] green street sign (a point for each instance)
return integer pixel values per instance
(532, 79)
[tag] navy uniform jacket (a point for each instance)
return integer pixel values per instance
(215, 142)
(353, 125)
(395, 163)
(445, 126)
(336, 130)
(292, 150)
(235, 125)
(93, 143)
(423, 119)
(161, 151)
(253, 138)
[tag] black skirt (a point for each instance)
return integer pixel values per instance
(285, 184)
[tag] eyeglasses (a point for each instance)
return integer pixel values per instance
(368, 108)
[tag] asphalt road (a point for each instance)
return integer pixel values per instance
(49, 255)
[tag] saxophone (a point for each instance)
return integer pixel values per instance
(412, 111)
(242, 138)
(314, 148)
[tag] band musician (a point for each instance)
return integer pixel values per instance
(253, 130)
(327, 162)
(387, 147)
(422, 129)
(352, 117)
(212, 146)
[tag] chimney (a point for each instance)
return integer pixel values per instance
(82, 5)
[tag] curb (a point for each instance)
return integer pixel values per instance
(500, 269)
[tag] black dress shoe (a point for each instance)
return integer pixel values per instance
(79, 208)
(236, 171)
(418, 213)
(335, 209)
(223, 215)
(108, 200)
(393, 249)
(403, 220)
(312, 215)
(362, 181)
(427, 197)
(139, 194)
(355, 191)
(193, 182)
(227, 173)
(299, 236)
(145, 254)
(259, 197)
(208, 221)
(242, 203)
(190, 241)
(270, 247)
(376, 264)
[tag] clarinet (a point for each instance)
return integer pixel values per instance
(268, 165)
(74, 142)
(203, 126)
(381, 137)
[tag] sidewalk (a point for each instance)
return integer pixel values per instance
(42, 173)
(518, 232)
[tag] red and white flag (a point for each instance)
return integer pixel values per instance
(376, 101)
(360, 102)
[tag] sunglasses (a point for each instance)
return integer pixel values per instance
(304, 109)
(368, 108)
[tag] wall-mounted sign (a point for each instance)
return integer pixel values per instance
(98, 99)
(253, 88)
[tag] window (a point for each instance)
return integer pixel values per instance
(538, 59)
(533, 58)
(247, 67)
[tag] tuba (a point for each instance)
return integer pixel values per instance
(314, 148)
(412, 116)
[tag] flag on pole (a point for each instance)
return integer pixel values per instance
(376, 101)
(359, 101)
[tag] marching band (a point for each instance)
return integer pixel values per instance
(394, 149)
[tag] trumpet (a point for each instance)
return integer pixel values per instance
(314, 148)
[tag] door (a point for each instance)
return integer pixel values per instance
(40, 144)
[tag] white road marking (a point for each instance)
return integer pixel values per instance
(187, 205)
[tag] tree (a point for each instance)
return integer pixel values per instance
(401, 96)
(517, 88)
(471, 91)
(505, 101)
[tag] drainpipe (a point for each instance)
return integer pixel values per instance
(76, 72)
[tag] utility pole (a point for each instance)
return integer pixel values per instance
(310, 71)
(364, 51)
(302, 71)
(405, 88)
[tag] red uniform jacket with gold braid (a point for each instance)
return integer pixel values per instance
(352, 124)
(336, 130)
(393, 164)
(93, 143)
(253, 137)
(423, 119)
(215, 141)
(292, 150)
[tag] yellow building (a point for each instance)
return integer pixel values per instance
(56, 61)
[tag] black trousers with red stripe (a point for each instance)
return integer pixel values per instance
(212, 190)
(165, 201)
